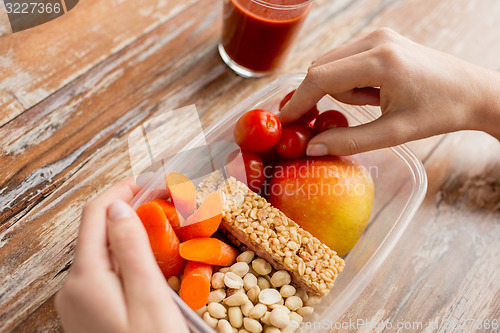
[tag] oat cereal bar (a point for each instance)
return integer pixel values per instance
(273, 236)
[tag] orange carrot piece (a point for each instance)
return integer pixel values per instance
(162, 238)
(183, 193)
(195, 284)
(173, 216)
(209, 251)
(205, 221)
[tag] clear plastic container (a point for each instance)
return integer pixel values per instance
(400, 186)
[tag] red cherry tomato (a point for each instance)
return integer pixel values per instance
(246, 167)
(328, 120)
(293, 142)
(257, 131)
(306, 117)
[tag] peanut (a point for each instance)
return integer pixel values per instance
(216, 310)
(174, 282)
(279, 318)
(263, 283)
(280, 278)
(258, 311)
(293, 303)
(239, 268)
(216, 295)
(249, 280)
(235, 316)
(231, 280)
(223, 326)
(211, 321)
(218, 280)
(236, 299)
(305, 311)
(287, 290)
(246, 257)
(252, 325)
(261, 266)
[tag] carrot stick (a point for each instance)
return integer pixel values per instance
(195, 284)
(209, 251)
(206, 220)
(183, 193)
(173, 216)
(162, 238)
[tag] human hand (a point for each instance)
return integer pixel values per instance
(421, 92)
(115, 284)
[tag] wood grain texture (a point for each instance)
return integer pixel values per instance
(65, 120)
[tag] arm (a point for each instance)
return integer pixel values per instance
(421, 92)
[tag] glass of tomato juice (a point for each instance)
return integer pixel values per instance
(257, 35)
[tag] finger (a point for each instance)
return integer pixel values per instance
(344, 51)
(381, 133)
(358, 71)
(360, 96)
(91, 247)
(303, 99)
(129, 244)
(365, 43)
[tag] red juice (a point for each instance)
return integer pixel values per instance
(259, 34)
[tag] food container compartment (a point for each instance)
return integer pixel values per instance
(400, 186)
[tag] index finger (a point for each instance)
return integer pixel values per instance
(92, 245)
(357, 71)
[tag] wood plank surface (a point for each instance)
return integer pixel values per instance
(62, 118)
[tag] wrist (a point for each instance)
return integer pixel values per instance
(486, 110)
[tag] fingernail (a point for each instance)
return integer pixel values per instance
(317, 149)
(119, 210)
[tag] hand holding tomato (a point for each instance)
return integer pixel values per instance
(421, 92)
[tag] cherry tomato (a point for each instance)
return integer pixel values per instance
(307, 117)
(293, 142)
(328, 120)
(257, 130)
(246, 167)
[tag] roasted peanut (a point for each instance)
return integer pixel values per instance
(218, 280)
(216, 295)
(252, 325)
(261, 266)
(293, 303)
(239, 268)
(246, 257)
(216, 310)
(280, 278)
(279, 318)
(258, 311)
(211, 321)
(287, 290)
(249, 280)
(223, 326)
(235, 316)
(174, 282)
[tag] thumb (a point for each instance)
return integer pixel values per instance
(129, 244)
(381, 133)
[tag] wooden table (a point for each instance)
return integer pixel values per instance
(71, 90)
